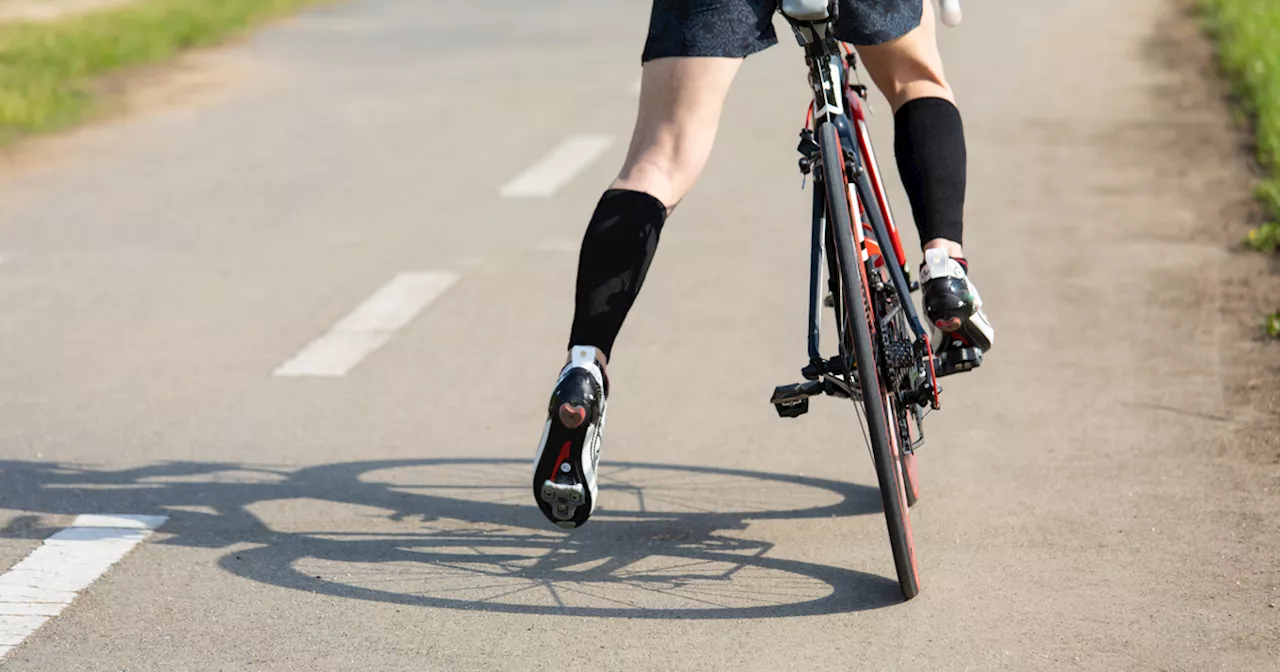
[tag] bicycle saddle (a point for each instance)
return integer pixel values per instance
(807, 10)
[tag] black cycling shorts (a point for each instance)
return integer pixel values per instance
(737, 28)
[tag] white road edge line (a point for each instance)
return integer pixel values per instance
(369, 326)
(544, 178)
(42, 584)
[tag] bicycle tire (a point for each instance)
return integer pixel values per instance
(857, 322)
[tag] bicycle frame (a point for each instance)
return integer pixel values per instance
(884, 363)
(838, 102)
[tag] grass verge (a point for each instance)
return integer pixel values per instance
(46, 70)
(1247, 33)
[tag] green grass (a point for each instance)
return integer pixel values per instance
(47, 70)
(1248, 36)
(1265, 238)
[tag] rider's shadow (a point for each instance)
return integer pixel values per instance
(463, 534)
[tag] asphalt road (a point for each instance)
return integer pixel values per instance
(390, 193)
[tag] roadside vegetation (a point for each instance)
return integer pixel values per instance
(1247, 33)
(47, 70)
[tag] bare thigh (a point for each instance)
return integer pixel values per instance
(909, 67)
(680, 104)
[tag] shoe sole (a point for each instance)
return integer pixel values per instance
(561, 490)
(560, 486)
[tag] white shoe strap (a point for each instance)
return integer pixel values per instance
(584, 356)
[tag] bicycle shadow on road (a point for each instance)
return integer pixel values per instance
(462, 533)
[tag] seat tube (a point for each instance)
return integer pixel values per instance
(815, 271)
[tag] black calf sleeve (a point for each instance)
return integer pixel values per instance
(616, 252)
(932, 160)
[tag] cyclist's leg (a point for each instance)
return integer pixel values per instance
(931, 156)
(679, 113)
(929, 139)
(695, 48)
(680, 103)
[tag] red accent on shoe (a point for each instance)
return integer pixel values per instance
(948, 325)
(564, 455)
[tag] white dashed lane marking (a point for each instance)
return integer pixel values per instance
(544, 178)
(369, 326)
(42, 584)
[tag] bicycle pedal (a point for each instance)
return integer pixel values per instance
(792, 401)
(792, 409)
(958, 360)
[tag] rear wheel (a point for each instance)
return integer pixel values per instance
(856, 333)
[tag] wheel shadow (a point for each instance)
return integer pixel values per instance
(461, 533)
